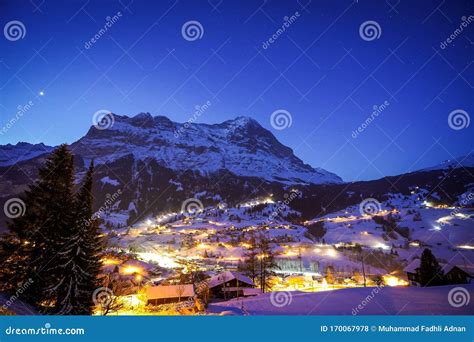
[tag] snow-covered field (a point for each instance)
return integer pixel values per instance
(219, 235)
(357, 301)
(447, 231)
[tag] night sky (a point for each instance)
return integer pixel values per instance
(319, 70)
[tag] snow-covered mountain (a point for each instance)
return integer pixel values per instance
(464, 161)
(240, 146)
(151, 165)
(12, 154)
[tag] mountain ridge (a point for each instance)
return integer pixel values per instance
(241, 146)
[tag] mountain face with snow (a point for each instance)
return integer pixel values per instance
(241, 147)
(12, 154)
(149, 165)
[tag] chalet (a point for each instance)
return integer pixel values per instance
(412, 271)
(460, 274)
(453, 274)
(231, 284)
(164, 294)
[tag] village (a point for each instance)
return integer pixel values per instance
(178, 264)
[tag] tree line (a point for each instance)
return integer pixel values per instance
(56, 245)
(259, 262)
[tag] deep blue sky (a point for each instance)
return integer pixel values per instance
(143, 64)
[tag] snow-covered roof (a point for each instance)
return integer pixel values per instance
(469, 269)
(227, 276)
(169, 291)
(445, 268)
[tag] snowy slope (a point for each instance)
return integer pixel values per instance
(222, 233)
(447, 231)
(240, 146)
(464, 161)
(11, 154)
(384, 301)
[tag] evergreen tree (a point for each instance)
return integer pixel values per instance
(79, 262)
(56, 244)
(267, 263)
(430, 270)
(251, 263)
(35, 239)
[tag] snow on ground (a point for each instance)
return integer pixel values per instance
(14, 305)
(219, 236)
(11, 154)
(372, 301)
(448, 231)
(108, 180)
